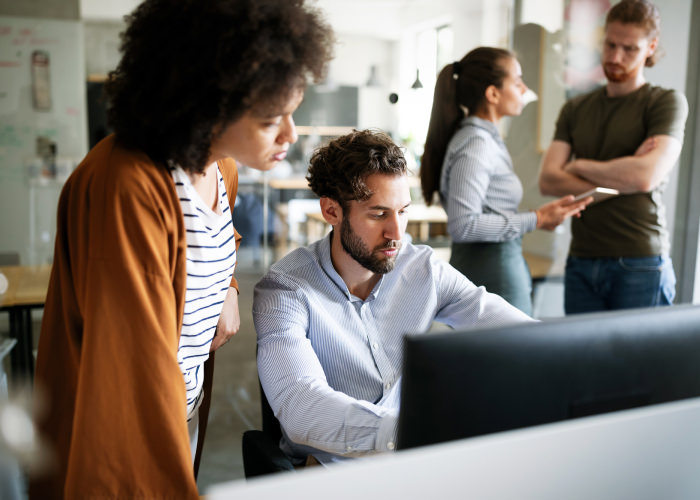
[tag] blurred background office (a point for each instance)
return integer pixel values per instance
(55, 55)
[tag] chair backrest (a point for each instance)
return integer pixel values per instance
(270, 424)
(261, 452)
(9, 259)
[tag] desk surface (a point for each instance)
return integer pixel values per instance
(645, 453)
(27, 285)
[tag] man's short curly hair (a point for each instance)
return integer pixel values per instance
(190, 66)
(340, 170)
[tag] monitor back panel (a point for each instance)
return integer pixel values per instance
(469, 383)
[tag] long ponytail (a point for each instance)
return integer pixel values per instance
(444, 119)
(459, 85)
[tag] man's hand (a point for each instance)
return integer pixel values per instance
(229, 320)
(550, 215)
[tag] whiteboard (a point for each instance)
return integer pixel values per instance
(64, 122)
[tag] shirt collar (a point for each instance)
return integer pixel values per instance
(324, 259)
(487, 125)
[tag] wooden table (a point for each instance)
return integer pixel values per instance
(542, 267)
(26, 290)
(420, 218)
(295, 183)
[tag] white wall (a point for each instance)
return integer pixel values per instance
(101, 10)
(354, 56)
(370, 18)
(101, 46)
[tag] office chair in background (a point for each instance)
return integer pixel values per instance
(261, 451)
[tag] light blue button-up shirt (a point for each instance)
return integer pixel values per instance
(479, 189)
(330, 362)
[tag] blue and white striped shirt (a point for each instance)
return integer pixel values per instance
(330, 363)
(211, 259)
(479, 189)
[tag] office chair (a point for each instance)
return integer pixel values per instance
(9, 259)
(261, 451)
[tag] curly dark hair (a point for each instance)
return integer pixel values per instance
(641, 13)
(190, 67)
(339, 170)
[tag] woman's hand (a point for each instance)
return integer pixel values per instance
(551, 214)
(229, 320)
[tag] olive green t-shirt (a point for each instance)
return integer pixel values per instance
(603, 128)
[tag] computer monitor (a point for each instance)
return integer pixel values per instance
(469, 383)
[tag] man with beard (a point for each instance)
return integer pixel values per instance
(627, 135)
(331, 317)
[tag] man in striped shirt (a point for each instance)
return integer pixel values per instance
(331, 317)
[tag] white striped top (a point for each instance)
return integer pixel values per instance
(330, 363)
(211, 259)
(479, 189)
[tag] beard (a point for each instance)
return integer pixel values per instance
(356, 248)
(618, 74)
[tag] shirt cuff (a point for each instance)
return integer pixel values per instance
(386, 434)
(528, 222)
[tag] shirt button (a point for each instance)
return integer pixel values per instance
(390, 445)
(388, 385)
(375, 346)
(349, 448)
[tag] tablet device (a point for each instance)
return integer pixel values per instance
(598, 194)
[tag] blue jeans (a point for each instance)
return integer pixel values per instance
(618, 283)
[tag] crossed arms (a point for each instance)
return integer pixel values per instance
(641, 172)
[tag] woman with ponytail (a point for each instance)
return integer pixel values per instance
(467, 163)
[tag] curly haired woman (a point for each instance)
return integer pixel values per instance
(142, 290)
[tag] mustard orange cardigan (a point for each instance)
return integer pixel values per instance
(107, 366)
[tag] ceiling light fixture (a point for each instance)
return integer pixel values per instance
(417, 84)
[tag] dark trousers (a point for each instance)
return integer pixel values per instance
(500, 267)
